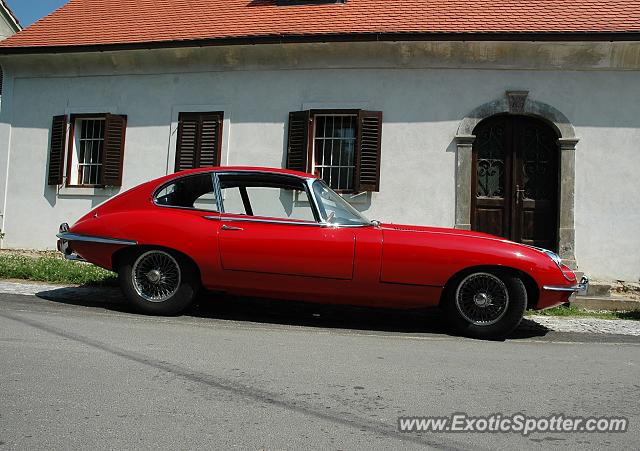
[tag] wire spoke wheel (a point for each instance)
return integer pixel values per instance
(482, 299)
(156, 276)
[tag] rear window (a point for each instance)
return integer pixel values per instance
(194, 191)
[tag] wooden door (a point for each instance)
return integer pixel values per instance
(515, 180)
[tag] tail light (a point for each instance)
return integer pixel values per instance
(568, 272)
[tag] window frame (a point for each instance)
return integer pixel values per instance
(71, 148)
(268, 219)
(313, 113)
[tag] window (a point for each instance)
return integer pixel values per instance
(199, 140)
(334, 209)
(86, 164)
(94, 152)
(279, 197)
(334, 143)
(194, 191)
(340, 146)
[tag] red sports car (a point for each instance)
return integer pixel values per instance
(283, 234)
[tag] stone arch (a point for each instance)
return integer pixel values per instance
(518, 102)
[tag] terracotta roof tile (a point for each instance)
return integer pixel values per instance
(122, 22)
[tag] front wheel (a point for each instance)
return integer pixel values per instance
(158, 282)
(486, 304)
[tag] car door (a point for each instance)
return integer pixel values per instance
(269, 226)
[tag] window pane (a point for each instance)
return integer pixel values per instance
(90, 144)
(334, 149)
(283, 203)
(267, 196)
(233, 201)
(194, 191)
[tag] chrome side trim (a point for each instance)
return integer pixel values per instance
(571, 288)
(265, 221)
(580, 288)
(326, 225)
(68, 236)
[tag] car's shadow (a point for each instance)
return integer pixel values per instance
(232, 308)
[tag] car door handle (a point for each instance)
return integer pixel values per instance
(226, 227)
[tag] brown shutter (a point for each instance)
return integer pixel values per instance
(298, 141)
(56, 151)
(113, 152)
(199, 141)
(187, 144)
(368, 149)
(210, 137)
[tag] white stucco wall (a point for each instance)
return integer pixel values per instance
(423, 103)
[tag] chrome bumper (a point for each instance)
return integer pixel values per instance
(63, 244)
(580, 288)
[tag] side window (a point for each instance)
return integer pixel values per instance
(195, 191)
(266, 196)
(284, 203)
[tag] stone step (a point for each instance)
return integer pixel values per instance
(605, 303)
(598, 289)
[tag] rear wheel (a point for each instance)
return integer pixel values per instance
(486, 304)
(158, 282)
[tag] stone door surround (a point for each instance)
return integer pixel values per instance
(519, 102)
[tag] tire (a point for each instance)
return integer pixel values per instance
(486, 304)
(158, 281)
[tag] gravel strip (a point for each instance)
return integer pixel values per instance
(588, 325)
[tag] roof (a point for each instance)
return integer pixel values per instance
(118, 24)
(256, 169)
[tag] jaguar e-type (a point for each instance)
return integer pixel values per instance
(281, 234)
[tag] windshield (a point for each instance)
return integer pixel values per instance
(334, 209)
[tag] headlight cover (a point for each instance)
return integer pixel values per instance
(558, 261)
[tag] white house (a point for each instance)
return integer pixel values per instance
(520, 119)
(9, 24)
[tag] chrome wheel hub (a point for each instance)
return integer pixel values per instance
(156, 276)
(482, 299)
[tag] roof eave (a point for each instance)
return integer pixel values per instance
(561, 36)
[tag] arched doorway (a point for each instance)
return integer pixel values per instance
(515, 176)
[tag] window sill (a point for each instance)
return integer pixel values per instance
(88, 191)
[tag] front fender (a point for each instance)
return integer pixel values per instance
(433, 258)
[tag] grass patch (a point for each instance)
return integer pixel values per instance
(53, 268)
(571, 310)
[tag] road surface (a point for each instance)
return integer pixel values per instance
(83, 372)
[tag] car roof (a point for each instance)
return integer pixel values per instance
(256, 169)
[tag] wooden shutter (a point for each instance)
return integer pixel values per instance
(113, 151)
(187, 144)
(298, 141)
(368, 147)
(199, 141)
(56, 150)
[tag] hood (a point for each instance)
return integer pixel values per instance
(442, 230)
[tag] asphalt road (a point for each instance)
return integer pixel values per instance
(83, 372)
